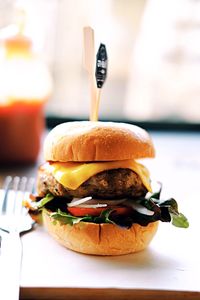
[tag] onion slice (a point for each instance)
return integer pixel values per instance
(77, 201)
(112, 202)
(94, 203)
(140, 208)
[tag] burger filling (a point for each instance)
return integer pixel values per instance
(111, 184)
(112, 192)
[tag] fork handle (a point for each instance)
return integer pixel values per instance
(11, 257)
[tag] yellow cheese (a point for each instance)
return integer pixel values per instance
(73, 174)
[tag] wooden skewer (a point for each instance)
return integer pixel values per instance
(89, 63)
(96, 106)
(89, 51)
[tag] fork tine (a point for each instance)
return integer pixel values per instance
(23, 184)
(30, 185)
(15, 217)
(16, 184)
(7, 182)
(15, 223)
(6, 187)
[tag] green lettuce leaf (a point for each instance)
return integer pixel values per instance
(44, 201)
(178, 219)
(66, 218)
(163, 210)
(104, 217)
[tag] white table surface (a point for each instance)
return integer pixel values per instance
(172, 261)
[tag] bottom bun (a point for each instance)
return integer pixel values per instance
(100, 239)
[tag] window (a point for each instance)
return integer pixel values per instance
(153, 50)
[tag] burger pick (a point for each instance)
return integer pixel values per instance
(94, 196)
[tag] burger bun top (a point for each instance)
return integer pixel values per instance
(97, 141)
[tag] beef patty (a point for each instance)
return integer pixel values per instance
(115, 183)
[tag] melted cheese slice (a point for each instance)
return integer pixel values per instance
(73, 174)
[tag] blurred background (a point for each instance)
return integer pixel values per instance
(153, 50)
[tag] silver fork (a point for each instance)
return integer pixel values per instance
(14, 220)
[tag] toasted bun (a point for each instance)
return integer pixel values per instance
(100, 239)
(97, 141)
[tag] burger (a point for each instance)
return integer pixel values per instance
(94, 195)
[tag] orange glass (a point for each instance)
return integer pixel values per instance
(21, 127)
(25, 85)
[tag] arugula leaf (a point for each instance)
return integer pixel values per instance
(66, 218)
(104, 217)
(180, 220)
(171, 203)
(150, 204)
(164, 210)
(44, 201)
(155, 195)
